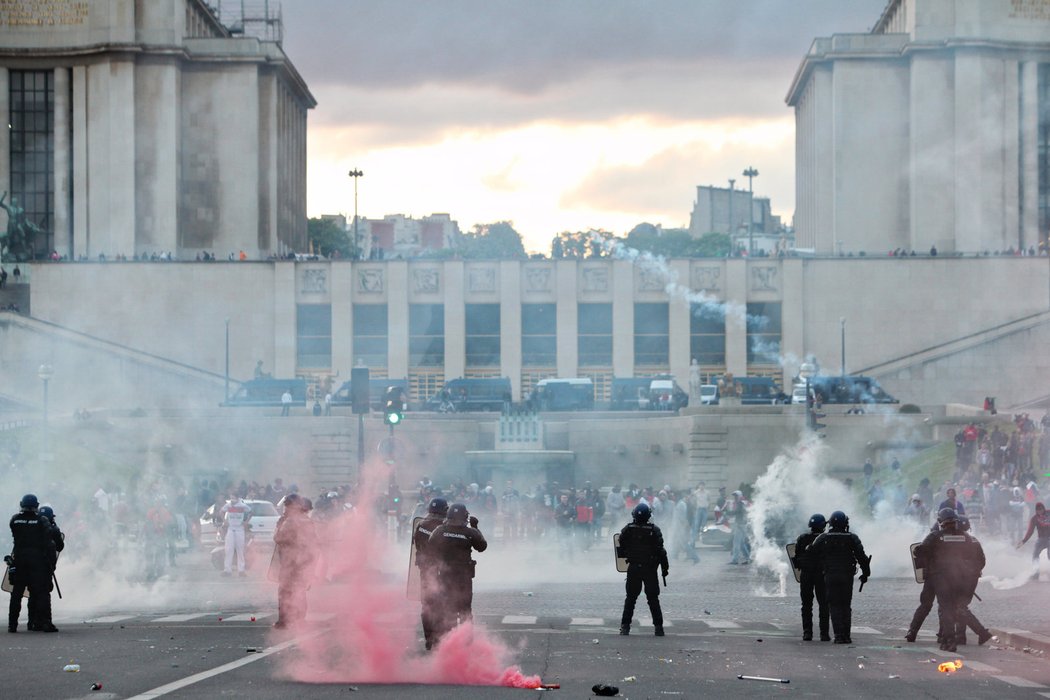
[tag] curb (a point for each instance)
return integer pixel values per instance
(1022, 639)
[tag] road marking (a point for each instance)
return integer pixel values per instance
(865, 630)
(648, 622)
(722, 624)
(1045, 695)
(108, 619)
(205, 675)
(246, 617)
(1019, 682)
(983, 668)
(182, 618)
(519, 620)
(587, 621)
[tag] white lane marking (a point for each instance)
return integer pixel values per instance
(1045, 695)
(721, 624)
(519, 620)
(1019, 682)
(783, 626)
(246, 617)
(865, 630)
(587, 621)
(183, 618)
(109, 618)
(205, 675)
(978, 666)
(648, 622)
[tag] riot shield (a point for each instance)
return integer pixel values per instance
(413, 587)
(6, 585)
(273, 572)
(790, 547)
(920, 576)
(621, 561)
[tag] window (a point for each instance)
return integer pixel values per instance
(763, 333)
(707, 334)
(313, 324)
(370, 335)
(482, 335)
(539, 340)
(651, 343)
(426, 335)
(32, 122)
(594, 335)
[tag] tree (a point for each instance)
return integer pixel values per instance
(596, 243)
(495, 241)
(714, 245)
(677, 243)
(327, 236)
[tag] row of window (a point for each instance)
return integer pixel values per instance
(539, 348)
(31, 122)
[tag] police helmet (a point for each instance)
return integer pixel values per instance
(947, 516)
(964, 523)
(817, 523)
(293, 500)
(838, 521)
(47, 511)
(642, 512)
(28, 501)
(457, 514)
(438, 506)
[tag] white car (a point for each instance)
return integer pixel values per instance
(262, 523)
(798, 394)
(708, 394)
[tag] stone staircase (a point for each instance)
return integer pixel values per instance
(333, 458)
(708, 456)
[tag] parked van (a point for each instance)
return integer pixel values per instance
(377, 387)
(708, 394)
(630, 393)
(268, 392)
(472, 394)
(666, 395)
(849, 389)
(565, 394)
(757, 391)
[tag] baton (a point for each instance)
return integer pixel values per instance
(665, 582)
(978, 597)
(57, 589)
(863, 582)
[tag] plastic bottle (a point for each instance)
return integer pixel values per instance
(72, 668)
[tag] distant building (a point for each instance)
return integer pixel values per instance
(932, 129)
(142, 127)
(725, 210)
(400, 236)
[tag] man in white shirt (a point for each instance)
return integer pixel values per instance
(286, 402)
(236, 515)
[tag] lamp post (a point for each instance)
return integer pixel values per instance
(355, 173)
(842, 334)
(227, 360)
(806, 371)
(731, 183)
(750, 174)
(45, 372)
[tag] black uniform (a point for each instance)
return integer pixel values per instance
(429, 588)
(811, 583)
(34, 557)
(954, 560)
(451, 545)
(642, 544)
(839, 552)
(926, 598)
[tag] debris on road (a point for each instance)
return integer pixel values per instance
(96, 686)
(604, 690)
(630, 679)
(763, 678)
(893, 676)
(950, 666)
(71, 667)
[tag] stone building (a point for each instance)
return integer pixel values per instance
(932, 130)
(143, 127)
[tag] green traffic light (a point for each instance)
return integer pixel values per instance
(393, 418)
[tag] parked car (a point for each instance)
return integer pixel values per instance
(262, 523)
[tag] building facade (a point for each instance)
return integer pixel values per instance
(932, 130)
(145, 127)
(400, 236)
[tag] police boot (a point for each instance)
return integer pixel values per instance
(12, 628)
(658, 630)
(984, 636)
(910, 636)
(807, 635)
(47, 627)
(625, 630)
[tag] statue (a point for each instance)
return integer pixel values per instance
(17, 243)
(694, 383)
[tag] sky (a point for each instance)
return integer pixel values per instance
(556, 115)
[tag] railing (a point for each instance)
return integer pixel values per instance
(519, 431)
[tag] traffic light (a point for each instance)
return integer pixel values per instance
(393, 406)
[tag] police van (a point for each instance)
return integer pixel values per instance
(576, 394)
(472, 394)
(268, 392)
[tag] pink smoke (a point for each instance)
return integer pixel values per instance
(373, 634)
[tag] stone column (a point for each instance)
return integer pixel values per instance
(397, 319)
(455, 320)
(736, 316)
(63, 159)
(510, 323)
(623, 318)
(1029, 138)
(568, 346)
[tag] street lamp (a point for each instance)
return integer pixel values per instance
(842, 331)
(731, 183)
(750, 174)
(355, 173)
(807, 370)
(45, 372)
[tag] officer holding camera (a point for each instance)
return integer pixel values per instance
(450, 547)
(32, 566)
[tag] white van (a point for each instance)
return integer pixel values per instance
(708, 394)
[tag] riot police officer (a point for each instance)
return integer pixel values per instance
(955, 560)
(59, 540)
(32, 555)
(297, 549)
(450, 546)
(429, 588)
(839, 551)
(642, 544)
(811, 580)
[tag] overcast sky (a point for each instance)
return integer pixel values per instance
(558, 115)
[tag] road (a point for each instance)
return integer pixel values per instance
(194, 636)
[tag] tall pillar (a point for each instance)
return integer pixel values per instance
(736, 316)
(510, 323)
(1029, 166)
(63, 240)
(568, 311)
(81, 203)
(397, 319)
(5, 141)
(623, 318)
(285, 333)
(341, 276)
(678, 325)
(455, 321)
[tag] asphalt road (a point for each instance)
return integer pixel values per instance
(723, 621)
